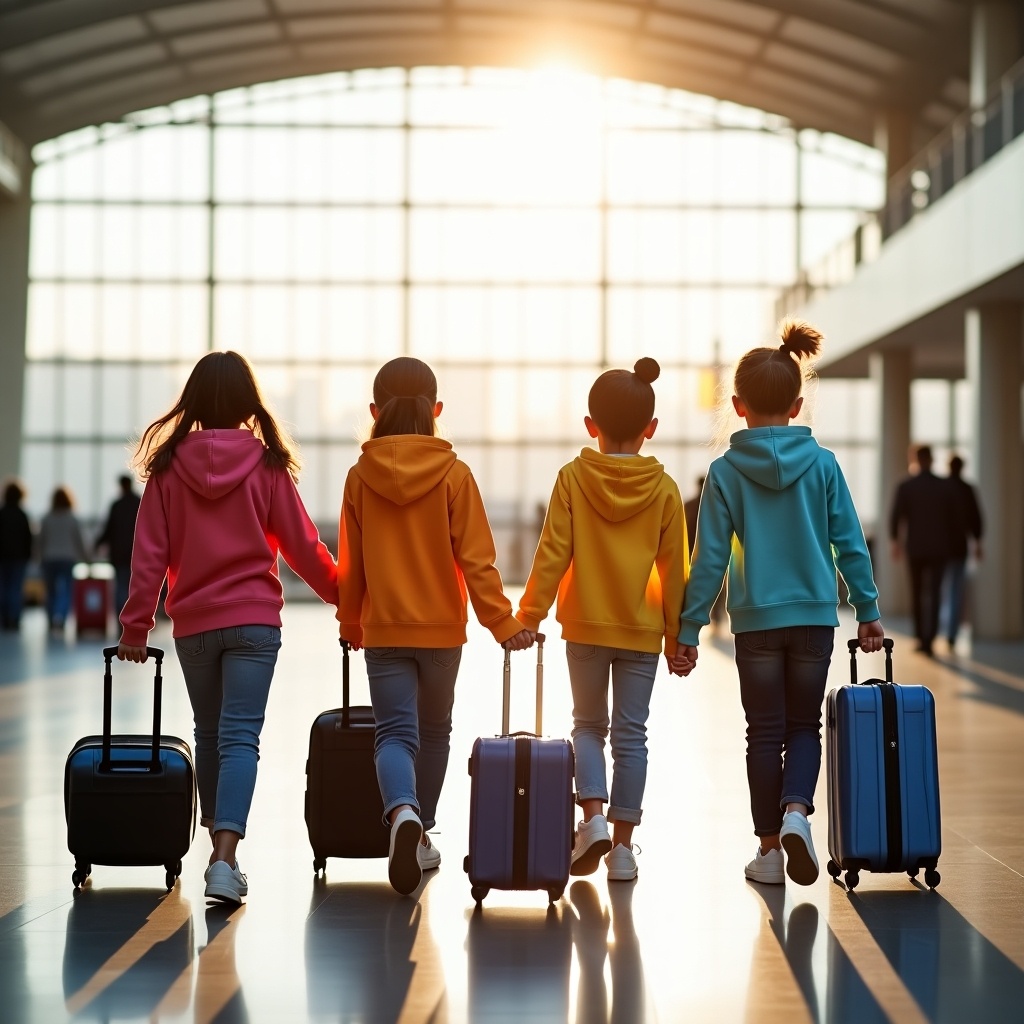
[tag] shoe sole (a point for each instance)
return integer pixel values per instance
(404, 871)
(800, 863)
(224, 893)
(589, 860)
(618, 875)
(752, 876)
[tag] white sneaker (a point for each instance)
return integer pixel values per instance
(801, 863)
(404, 870)
(592, 842)
(429, 856)
(226, 883)
(766, 867)
(621, 864)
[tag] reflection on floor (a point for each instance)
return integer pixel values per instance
(689, 941)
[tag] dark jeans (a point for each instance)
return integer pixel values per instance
(954, 581)
(59, 577)
(925, 597)
(782, 685)
(12, 583)
(122, 578)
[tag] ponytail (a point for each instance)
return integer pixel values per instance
(769, 380)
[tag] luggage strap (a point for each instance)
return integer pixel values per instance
(521, 813)
(893, 796)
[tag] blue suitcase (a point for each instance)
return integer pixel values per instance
(130, 799)
(883, 777)
(521, 809)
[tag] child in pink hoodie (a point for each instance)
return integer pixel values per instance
(219, 506)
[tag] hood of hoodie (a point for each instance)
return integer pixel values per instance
(773, 456)
(618, 488)
(404, 467)
(214, 462)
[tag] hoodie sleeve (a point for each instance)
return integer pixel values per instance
(150, 559)
(473, 547)
(551, 560)
(673, 563)
(710, 561)
(300, 543)
(849, 548)
(351, 571)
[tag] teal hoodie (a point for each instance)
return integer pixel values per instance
(776, 512)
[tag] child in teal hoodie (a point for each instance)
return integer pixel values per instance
(777, 514)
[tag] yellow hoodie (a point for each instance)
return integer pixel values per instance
(413, 539)
(614, 547)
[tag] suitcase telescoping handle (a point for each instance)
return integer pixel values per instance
(109, 653)
(345, 697)
(507, 688)
(854, 646)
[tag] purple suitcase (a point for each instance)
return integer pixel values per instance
(521, 810)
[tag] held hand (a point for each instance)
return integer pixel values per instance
(870, 635)
(523, 640)
(685, 660)
(128, 653)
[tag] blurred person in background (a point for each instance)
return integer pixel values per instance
(15, 552)
(60, 548)
(965, 525)
(118, 537)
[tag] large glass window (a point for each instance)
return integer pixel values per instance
(520, 230)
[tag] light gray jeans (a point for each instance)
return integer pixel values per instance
(632, 682)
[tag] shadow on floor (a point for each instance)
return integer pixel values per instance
(841, 996)
(949, 967)
(127, 951)
(519, 963)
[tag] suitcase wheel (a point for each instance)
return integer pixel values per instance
(554, 895)
(834, 869)
(319, 864)
(932, 878)
(81, 873)
(479, 893)
(852, 880)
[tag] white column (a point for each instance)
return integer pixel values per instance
(892, 374)
(994, 46)
(15, 211)
(994, 334)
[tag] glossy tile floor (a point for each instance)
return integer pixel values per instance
(689, 941)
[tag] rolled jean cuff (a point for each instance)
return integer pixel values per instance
(809, 804)
(399, 802)
(762, 832)
(594, 793)
(223, 825)
(627, 814)
(206, 823)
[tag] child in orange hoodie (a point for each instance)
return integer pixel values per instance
(614, 548)
(414, 538)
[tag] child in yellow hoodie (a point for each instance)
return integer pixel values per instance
(413, 539)
(614, 548)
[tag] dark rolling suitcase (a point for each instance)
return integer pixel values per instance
(130, 799)
(521, 806)
(344, 810)
(883, 777)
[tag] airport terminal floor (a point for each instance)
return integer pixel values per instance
(690, 940)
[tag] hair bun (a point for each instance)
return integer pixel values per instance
(799, 338)
(647, 369)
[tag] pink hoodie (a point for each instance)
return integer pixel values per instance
(214, 524)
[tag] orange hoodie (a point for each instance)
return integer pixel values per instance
(614, 549)
(414, 538)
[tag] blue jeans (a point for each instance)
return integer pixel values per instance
(956, 573)
(58, 576)
(122, 579)
(228, 673)
(12, 585)
(632, 680)
(412, 690)
(782, 685)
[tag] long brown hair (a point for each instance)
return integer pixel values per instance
(405, 393)
(769, 380)
(221, 393)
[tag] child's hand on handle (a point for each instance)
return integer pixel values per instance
(522, 641)
(125, 652)
(870, 635)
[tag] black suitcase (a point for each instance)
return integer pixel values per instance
(521, 808)
(344, 810)
(130, 799)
